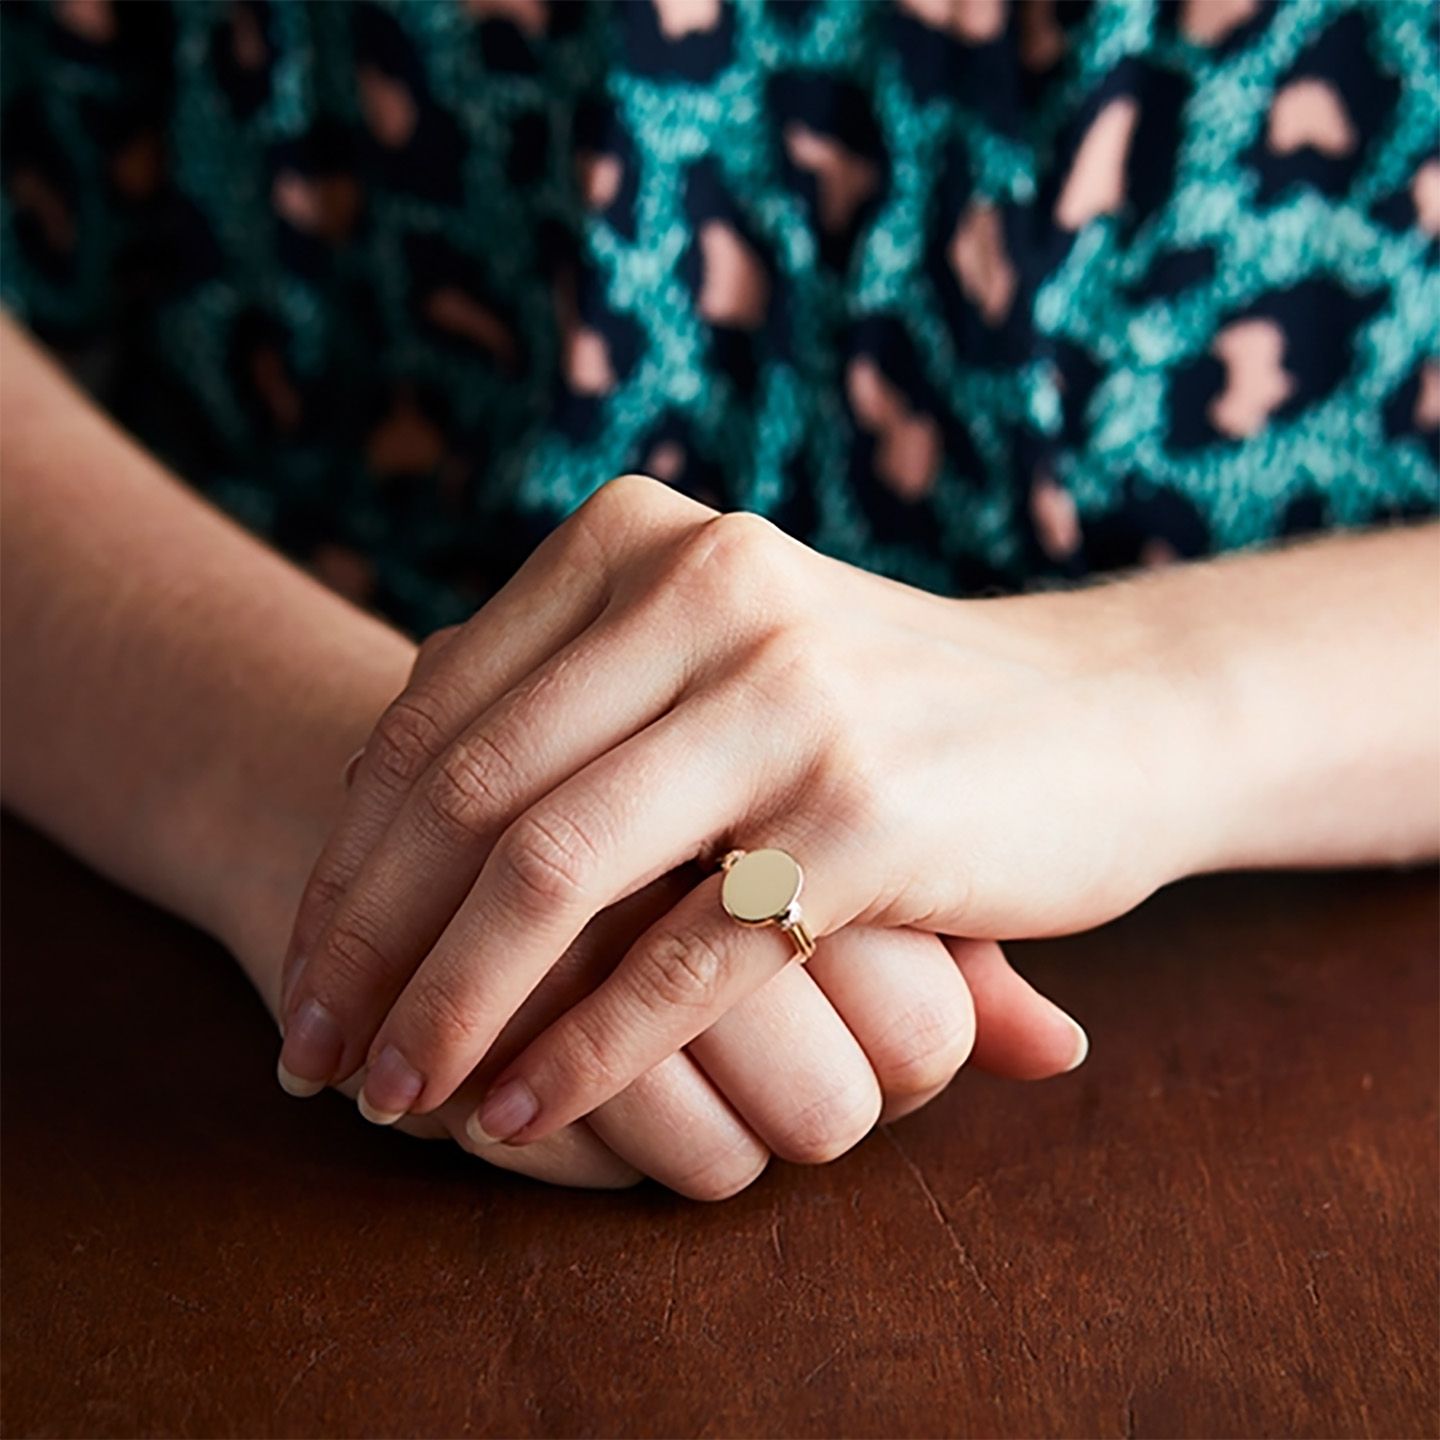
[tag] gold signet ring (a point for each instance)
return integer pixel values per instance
(762, 887)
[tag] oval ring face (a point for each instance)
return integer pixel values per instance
(760, 886)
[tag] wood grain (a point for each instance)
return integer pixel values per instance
(1224, 1224)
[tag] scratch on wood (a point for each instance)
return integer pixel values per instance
(956, 1244)
(828, 1360)
(775, 1239)
(316, 1356)
(670, 1294)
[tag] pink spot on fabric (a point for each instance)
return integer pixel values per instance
(1040, 40)
(1208, 22)
(1425, 193)
(388, 107)
(1427, 398)
(91, 20)
(1310, 113)
(1256, 381)
(1055, 518)
(908, 448)
(529, 17)
(600, 177)
(975, 22)
(450, 308)
(982, 264)
(679, 18)
(734, 290)
(843, 180)
(1096, 182)
(587, 362)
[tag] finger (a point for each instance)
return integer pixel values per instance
(604, 834)
(675, 1126)
(585, 963)
(432, 647)
(1019, 1034)
(416, 726)
(554, 595)
(587, 699)
(677, 980)
(574, 1156)
(672, 1124)
(579, 1161)
(424, 664)
(904, 1001)
(789, 1065)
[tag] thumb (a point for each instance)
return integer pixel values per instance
(1019, 1034)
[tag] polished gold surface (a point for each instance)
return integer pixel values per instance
(760, 887)
(800, 937)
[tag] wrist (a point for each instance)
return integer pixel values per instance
(1124, 654)
(272, 816)
(1176, 715)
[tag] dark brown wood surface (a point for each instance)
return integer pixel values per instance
(1224, 1224)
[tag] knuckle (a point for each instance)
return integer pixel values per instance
(921, 1052)
(681, 969)
(744, 533)
(726, 554)
(323, 893)
(717, 1172)
(590, 1059)
(467, 789)
(407, 738)
(827, 1127)
(609, 513)
(430, 648)
(445, 1019)
(625, 494)
(325, 890)
(351, 956)
(546, 860)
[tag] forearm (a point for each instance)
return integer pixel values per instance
(1311, 676)
(177, 700)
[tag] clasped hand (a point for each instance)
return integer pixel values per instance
(657, 684)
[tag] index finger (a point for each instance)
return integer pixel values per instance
(550, 600)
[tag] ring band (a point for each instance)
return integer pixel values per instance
(762, 887)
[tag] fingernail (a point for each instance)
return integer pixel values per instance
(1082, 1047)
(505, 1113)
(392, 1086)
(312, 1049)
(294, 1085)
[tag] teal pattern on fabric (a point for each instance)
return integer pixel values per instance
(978, 296)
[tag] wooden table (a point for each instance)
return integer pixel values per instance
(1224, 1224)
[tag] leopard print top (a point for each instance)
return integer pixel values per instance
(973, 294)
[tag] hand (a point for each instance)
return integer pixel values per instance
(800, 1069)
(671, 683)
(768, 1077)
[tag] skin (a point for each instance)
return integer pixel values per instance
(681, 682)
(179, 704)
